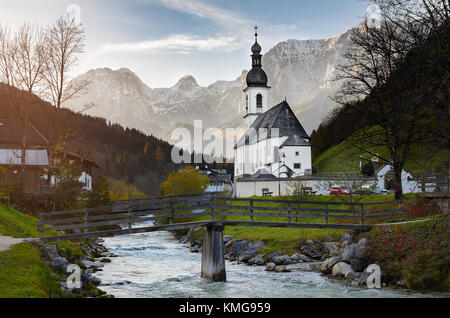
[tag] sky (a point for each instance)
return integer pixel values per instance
(163, 40)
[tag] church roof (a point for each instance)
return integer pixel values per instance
(279, 117)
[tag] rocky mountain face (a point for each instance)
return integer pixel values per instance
(300, 71)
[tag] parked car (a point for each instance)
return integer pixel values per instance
(381, 191)
(339, 190)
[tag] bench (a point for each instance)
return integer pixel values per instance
(266, 193)
(308, 191)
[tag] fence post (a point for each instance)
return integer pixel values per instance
(326, 213)
(212, 210)
(86, 215)
(361, 214)
(41, 226)
(289, 213)
(129, 218)
(251, 211)
(172, 213)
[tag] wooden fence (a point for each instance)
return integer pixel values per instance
(232, 211)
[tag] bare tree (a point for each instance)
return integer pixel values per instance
(65, 41)
(22, 59)
(392, 73)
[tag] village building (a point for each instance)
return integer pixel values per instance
(275, 142)
(38, 160)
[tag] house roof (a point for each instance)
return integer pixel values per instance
(262, 174)
(279, 117)
(66, 154)
(33, 157)
(11, 132)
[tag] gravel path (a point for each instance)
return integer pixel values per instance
(6, 242)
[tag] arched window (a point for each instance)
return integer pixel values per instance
(259, 101)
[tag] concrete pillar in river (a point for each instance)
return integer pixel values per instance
(213, 261)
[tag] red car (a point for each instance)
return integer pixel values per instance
(338, 190)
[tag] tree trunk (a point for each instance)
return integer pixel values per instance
(398, 182)
(23, 154)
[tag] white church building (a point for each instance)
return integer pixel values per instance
(275, 144)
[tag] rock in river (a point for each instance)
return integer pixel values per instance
(311, 252)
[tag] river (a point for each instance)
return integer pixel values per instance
(156, 265)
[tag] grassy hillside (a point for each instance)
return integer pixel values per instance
(17, 224)
(345, 158)
(23, 274)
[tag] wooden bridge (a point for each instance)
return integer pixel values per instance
(212, 213)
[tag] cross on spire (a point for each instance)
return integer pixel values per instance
(256, 33)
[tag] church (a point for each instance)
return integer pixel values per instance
(275, 144)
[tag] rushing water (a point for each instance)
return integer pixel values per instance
(156, 265)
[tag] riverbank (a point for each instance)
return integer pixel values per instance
(35, 270)
(412, 256)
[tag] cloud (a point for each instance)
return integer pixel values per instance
(177, 43)
(206, 11)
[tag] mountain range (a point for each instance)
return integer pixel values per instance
(300, 71)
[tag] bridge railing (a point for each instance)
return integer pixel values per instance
(163, 210)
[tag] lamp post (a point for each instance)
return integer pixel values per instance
(282, 156)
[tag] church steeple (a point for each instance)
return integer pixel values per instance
(257, 76)
(257, 91)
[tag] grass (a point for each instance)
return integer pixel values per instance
(17, 224)
(24, 274)
(345, 158)
(288, 240)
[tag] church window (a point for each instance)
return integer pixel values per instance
(297, 165)
(259, 101)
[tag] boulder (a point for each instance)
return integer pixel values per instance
(301, 258)
(247, 255)
(195, 249)
(59, 262)
(282, 260)
(257, 260)
(296, 258)
(361, 248)
(49, 251)
(357, 264)
(105, 260)
(332, 248)
(238, 246)
(95, 280)
(272, 255)
(360, 279)
(327, 266)
(270, 267)
(341, 269)
(89, 264)
(281, 269)
(346, 238)
(348, 252)
(311, 252)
